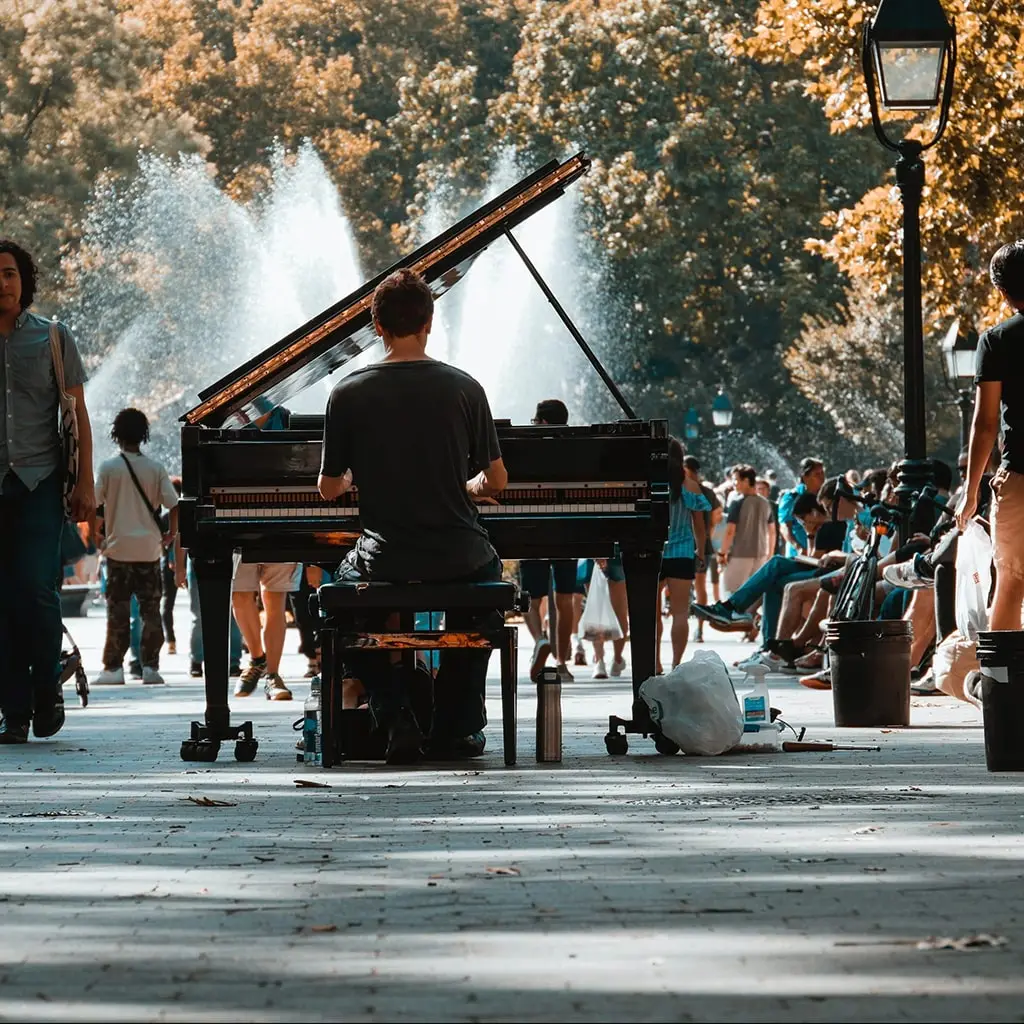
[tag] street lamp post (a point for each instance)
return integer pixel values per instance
(958, 352)
(691, 425)
(909, 55)
(721, 417)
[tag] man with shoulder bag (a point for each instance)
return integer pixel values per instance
(131, 488)
(45, 477)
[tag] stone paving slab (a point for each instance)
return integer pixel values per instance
(746, 887)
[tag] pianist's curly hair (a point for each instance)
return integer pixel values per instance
(402, 304)
(26, 268)
(130, 427)
(676, 454)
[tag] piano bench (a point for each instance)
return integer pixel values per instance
(342, 609)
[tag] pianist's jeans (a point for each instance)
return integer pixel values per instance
(461, 682)
(31, 523)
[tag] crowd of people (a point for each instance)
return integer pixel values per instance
(763, 561)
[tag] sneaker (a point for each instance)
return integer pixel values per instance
(541, 651)
(925, 686)
(312, 668)
(172, 647)
(698, 636)
(110, 677)
(195, 670)
(13, 730)
(770, 661)
(151, 675)
(723, 615)
(819, 681)
(135, 670)
(600, 672)
(48, 721)
(580, 655)
(275, 689)
(250, 677)
(405, 739)
(618, 667)
(564, 675)
(913, 574)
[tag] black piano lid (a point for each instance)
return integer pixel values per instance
(341, 332)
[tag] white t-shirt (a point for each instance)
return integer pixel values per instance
(132, 535)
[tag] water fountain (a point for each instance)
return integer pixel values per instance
(181, 283)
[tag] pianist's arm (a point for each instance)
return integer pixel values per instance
(490, 481)
(332, 487)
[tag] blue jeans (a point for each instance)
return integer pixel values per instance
(31, 523)
(768, 583)
(196, 637)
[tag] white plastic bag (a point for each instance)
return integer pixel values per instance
(973, 580)
(696, 706)
(599, 620)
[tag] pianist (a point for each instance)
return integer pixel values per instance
(407, 431)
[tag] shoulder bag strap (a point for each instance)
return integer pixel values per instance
(142, 494)
(58, 358)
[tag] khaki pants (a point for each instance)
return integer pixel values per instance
(1008, 523)
(738, 570)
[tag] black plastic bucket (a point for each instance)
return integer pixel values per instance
(870, 663)
(1001, 654)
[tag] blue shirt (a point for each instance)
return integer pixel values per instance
(29, 439)
(786, 502)
(681, 542)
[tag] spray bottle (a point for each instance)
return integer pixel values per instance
(760, 733)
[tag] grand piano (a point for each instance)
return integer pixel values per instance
(574, 491)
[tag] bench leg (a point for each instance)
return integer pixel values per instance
(509, 689)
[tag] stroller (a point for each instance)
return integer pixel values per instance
(71, 665)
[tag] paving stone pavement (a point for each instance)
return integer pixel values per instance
(747, 887)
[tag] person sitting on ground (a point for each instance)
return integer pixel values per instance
(410, 416)
(769, 583)
(812, 477)
(130, 489)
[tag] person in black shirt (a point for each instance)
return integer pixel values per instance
(999, 378)
(417, 438)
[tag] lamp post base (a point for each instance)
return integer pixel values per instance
(914, 475)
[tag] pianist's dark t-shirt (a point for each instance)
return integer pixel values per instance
(413, 433)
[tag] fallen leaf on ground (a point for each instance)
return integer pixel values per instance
(310, 784)
(503, 871)
(876, 871)
(437, 876)
(205, 801)
(323, 928)
(865, 830)
(980, 941)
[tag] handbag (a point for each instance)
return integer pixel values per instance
(68, 421)
(142, 494)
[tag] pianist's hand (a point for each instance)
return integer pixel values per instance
(483, 499)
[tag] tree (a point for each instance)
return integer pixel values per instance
(966, 213)
(69, 115)
(709, 172)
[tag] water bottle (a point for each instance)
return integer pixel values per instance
(549, 716)
(311, 733)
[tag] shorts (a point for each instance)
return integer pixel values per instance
(274, 577)
(613, 572)
(832, 581)
(1007, 518)
(535, 575)
(678, 568)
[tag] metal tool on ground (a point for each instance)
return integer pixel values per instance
(793, 747)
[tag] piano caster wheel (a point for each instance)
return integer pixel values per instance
(200, 750)
(663, 745)
(616, 743)
(245, 750)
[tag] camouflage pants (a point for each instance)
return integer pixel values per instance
(143, 580)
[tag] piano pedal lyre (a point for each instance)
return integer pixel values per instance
(202, 746)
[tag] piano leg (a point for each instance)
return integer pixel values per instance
(213, 577)
(642, 569)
